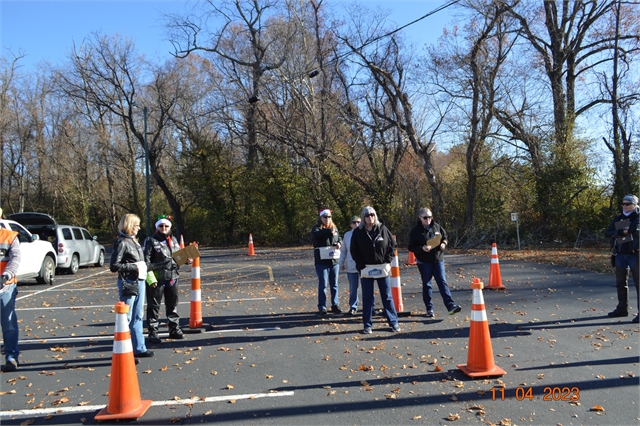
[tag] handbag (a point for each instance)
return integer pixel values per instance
(330, 252)
(376, 271)
(129, 288)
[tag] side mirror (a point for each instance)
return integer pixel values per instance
(35, 237)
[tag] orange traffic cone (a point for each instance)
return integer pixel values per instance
(495, 279)
(124, 392)
(411, 260)
(195, 316)
(251, 251)
(396, 289)
(181, 242)
(480, 356)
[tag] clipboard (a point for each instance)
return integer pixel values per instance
(189, 252)
(621, 224)
(435, 240)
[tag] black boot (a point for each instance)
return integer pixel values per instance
(153, 337)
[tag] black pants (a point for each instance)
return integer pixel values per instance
(624, 264)
(154, 299)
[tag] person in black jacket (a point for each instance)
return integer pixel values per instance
(125, 259)
(430, 260)
(373, 244)
(158, 252)
(325, 234)
(624, 240)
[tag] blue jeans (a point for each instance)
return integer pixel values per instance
(354, 281)
(327, 274)
(435, 270)
(384, 286)
(10, 323)
(135, 316)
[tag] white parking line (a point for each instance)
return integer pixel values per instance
(74, 308)
(90, 408)
(29, 293)
(95, 338)
(60, 285)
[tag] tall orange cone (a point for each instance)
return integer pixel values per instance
(480, 356)
(181, 242)
(251, 251)
(195, 317)
(495, 279)
(396, 285)
(124, 391)
(411, 260)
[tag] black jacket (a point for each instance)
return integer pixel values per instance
(418, 237)
(324, 238)
(158, 253)
(611, 232)
(126, 252)
(372, 248)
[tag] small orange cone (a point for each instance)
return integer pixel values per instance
(181, 242)
(495, 279)
(251, 251)
(480, 356)
(124, 391)
(411, 260)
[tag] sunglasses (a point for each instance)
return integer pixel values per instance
(356, 222)
(326, 217)
(164, 226)
(370, 215)
(426, 217)
(627, 204)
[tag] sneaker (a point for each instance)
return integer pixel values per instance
(147, 354)
(336, 309)
(176, 335)
(367, 330)
(635, 320)
(11, 365)
(616, 314)
(430, 314)
(153, 338)
(455, 310)
(322, 311)
(353, 312)
(396, 328)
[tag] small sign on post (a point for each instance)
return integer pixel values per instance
(514, 218)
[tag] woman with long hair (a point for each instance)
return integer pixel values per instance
(326, 248)
(126, 259)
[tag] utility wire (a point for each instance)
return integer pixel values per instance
(444, 6)
(315, 71)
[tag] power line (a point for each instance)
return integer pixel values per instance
(444, 6)
(315, 72)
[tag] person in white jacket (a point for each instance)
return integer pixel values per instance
(348, 265)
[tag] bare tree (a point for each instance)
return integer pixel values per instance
(622, 105)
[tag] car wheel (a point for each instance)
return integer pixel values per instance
(47, 270)
(75, 264)
(100, 261)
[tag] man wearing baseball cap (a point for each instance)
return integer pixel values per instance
(158, 253)
(623, 231)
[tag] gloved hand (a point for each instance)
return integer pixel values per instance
(3, 280)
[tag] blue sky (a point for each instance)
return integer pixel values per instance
(45, 30)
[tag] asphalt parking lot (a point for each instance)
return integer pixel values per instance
(267, 358)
